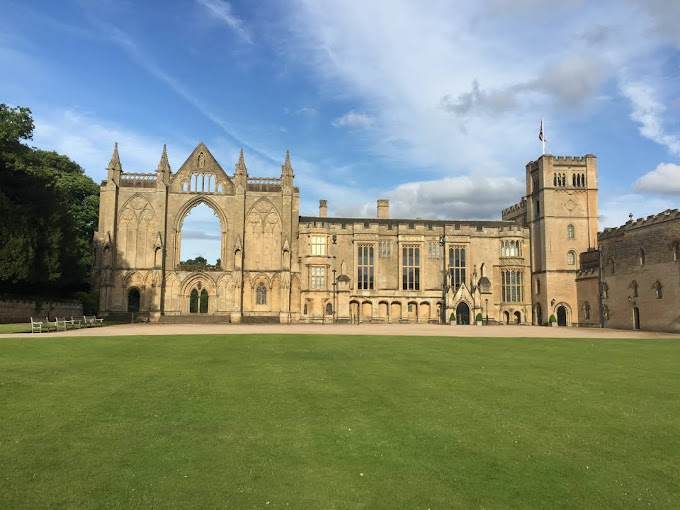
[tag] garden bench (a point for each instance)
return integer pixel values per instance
(76, 322)
(63, 321)
(91, 320)
(36, 326)
(51, 324)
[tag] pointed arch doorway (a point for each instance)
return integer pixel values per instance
(462, 313)
(198, 302)
(561, 316)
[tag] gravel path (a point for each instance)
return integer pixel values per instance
(348, 329)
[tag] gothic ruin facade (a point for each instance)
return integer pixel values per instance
(276, 265)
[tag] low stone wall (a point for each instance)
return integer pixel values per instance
(16, 310)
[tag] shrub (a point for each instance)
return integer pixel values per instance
(452, 317)
(552, 319)
(479, 317)
(90, 301)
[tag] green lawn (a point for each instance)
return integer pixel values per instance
(316, 422)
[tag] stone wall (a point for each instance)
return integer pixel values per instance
(641, 273)
(15, 310)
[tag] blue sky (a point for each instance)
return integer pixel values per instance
(434, 105)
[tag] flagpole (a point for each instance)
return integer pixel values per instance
(543, 137)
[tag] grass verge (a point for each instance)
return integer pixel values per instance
(279, 421)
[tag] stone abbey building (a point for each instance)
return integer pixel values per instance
(279, 266)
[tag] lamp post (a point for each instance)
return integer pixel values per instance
(487, 310)
(335, 282)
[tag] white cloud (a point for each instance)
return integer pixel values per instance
(648, 111)
(466, 197)
(223, 12)
(354, 119)
(664, 179)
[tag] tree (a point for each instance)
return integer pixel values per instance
(49, 209)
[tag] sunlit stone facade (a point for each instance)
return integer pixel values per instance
(276, 265)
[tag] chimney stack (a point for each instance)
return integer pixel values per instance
(323, 208)
(383, 209)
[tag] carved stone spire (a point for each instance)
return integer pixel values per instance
(164, 165)
(115, 168)
(114, 164)
(287, 169)
(241, 170)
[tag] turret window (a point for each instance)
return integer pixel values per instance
(571, 258)
(570, 231)
(642, 256)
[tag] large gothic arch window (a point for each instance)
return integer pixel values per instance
(263, 237)
(199, 236)
(136, 236)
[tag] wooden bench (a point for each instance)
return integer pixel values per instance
(65, 323)
(51, 324)
(36, 326)
(91, 320)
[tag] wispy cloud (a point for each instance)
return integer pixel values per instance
(648, 112)
(354, 119)
(222, 11)
(89, 141)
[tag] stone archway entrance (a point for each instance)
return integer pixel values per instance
(462, 313)
(198, 303)
(561, 316)
(134, 300)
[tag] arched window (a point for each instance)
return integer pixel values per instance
(219, 187)
(261, 294)
(304, 309)
(634, 288)
(538, 286)
(570, 231)
(642, 256)
(573, 180)
(657, 289)
(605, 291)
(571, 258)
(676, 251)
(329, 309)
(185, 186)
(612, 264)
(193, 301)
(204, 301)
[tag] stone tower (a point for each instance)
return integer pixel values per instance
(561, 212)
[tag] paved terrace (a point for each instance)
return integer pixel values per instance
(349, 329)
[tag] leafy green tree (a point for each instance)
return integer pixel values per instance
(49, 210)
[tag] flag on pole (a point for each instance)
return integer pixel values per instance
(541, 136)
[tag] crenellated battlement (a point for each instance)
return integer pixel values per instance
(668, 214)
(520, 206)
(571, 160)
